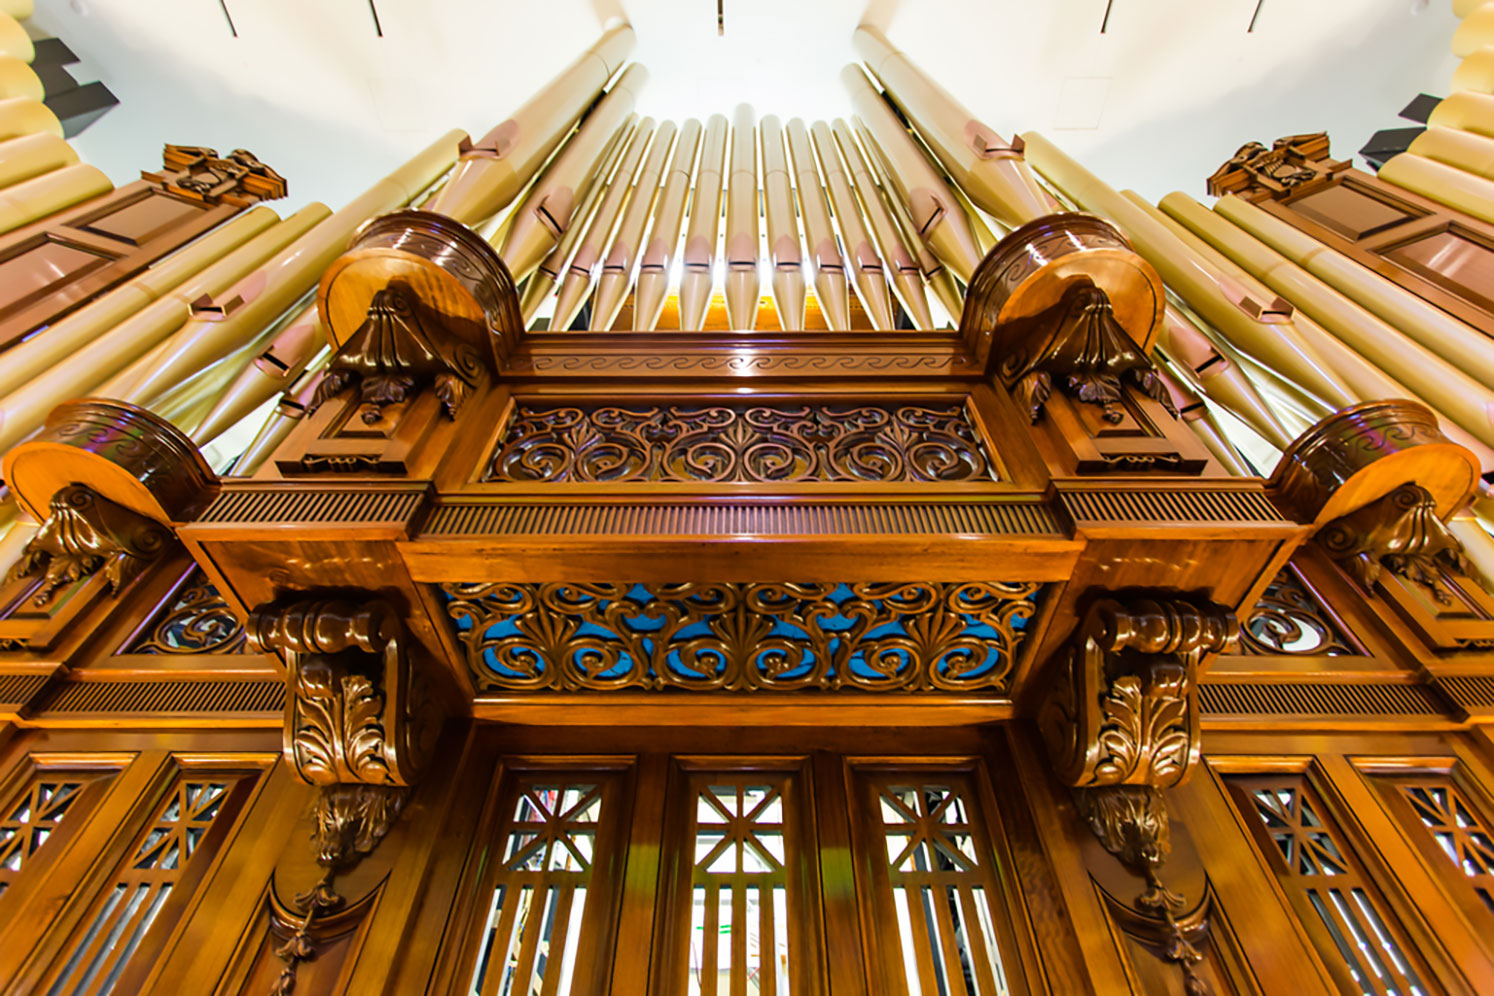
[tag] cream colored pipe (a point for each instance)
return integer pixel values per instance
(985, 239)
(1442, 183)
(1467, 151)
(24, 116)
(866, 266)
(704, 228)
(64, 338)
(19, 9)
(935, 274)
(664, 235)
(938, 218)
(272, 289)
(19, 80)
(34, 199)
(1477, 544)
(496, 168)
(1462, 8)
(1212, 370)
(1453, 394)
(1475, 73)
(14, 41)
(902, 266)
(622, 255)
(186, 403)
(286, 416)
(826, 264)
(1196, 415)
(270, 373)
(23, 409)
(13, 539)
(1465, 110)
(784, 253)
(1476, 31)
(1218, 298)
(991, 172)
(743, 282)
(542, 281)
(542, 219)
(1434, 328)
(33, 155)
(575, 285)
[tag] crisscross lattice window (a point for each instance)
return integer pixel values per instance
(31, 818)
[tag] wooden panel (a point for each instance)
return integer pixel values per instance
(1454, 258)
(1351, 211)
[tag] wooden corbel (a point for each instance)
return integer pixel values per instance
(357, 726)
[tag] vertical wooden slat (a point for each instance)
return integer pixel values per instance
(918, 927)
(709, 940)
(981, 958)
(503, 940)
(555, 954)
(534, 926)
(767, 944)
(739, 937)
(947, 940)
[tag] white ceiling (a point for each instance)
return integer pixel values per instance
(1159, 100)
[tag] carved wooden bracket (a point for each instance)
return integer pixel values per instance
(200, 173)
(1124, 709)
(1400, 531)
(1256, 172)
(357, 726)
(86, 534)
(1132, 823)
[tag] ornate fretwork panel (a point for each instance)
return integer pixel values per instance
(1355, 933)
(179, 840)
(804, 442)
(919, 636)
(1452, 832)
(548, 899)
(1290, 619)
(31, 818)
(194, 619)
(935, 878)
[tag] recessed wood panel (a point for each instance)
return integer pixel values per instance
(1452, 259)
(29, 274)
(1349, 211)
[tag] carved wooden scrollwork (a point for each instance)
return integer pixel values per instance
(1400, 531)
(1123, 709)
(86, 534)
(1132, 823)
(1077, 344)
(1290, 163)
(199, 172)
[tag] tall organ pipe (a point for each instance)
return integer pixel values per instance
(1218, 376)
(549, 209)
(784, 252)
(866, 266)
(743, 283)
(28, 156)
(705, 226)
(938, 218)
(827, 266)
(268, 374)
(664, 235)
(495, 169)
(622, 255)
(902, 266)
(988, 167)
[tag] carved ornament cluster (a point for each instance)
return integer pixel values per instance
(916, 636)
(1289, 164)
(196, 620)
(1123, 709)
(237, 178)
(1399, 531)
(763, 443)
(1289, 619)
(86, 534)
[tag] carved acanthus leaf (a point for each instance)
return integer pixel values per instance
(87, 534)
(1400, 531)
(1123, 706)
(1078, 345)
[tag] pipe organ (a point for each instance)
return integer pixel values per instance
(750, 555)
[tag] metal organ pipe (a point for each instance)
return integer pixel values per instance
(827, 266)
(866, 265)
(664, 236)
(704, 227)
(743, 283)
(622, 255)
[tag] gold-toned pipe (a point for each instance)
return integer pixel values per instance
(272, 289)
(1466, 110)
(664, 235)
(14, 41)
(1196, 416)
(938, 218)
(902, 265)
(827, 265)
(23, 409)
(743, 282)
(542, 281)
(19, 80)
(1453, 394)
(1463, 149)
(866, 265)
(496, 168)
(1477, 544)
(1429, 325)
(935, 274)
(617, 270)
(13, 539)
(704, 229)
(1466, 192)
(36, 198)
(785, 256)
(24, 116)
(575, 284)
(1462, 8)
(988, 167)
(186, 403)
(1214, 372)
(19, 9)
(64, 338)
(1475, 73)
(286, 416)
(270, 373)
(545, 214)
(30, 156)
(1476, 31)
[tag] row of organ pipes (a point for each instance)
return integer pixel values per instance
(592, 206)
